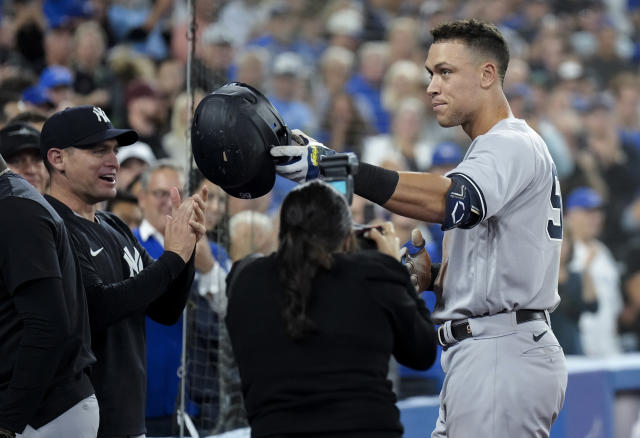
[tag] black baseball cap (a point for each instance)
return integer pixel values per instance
(81, 127)
(18, 137)
(232, 131)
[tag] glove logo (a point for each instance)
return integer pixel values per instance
(315, 154)
(458, 212)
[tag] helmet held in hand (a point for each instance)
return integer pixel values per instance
(232, 131)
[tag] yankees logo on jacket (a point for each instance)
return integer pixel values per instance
(113, 264)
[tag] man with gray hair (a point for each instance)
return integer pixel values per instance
(164, 343)
(251, 232)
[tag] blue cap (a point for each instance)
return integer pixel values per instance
(583, 197)
(60, 12)
(446, 154)
(35, 95)
(55, 76)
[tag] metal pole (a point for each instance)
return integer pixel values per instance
(182, 372)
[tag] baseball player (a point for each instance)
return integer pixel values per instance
(45, 354)
(122, 282)
(501, 208)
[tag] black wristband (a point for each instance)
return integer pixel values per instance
(375, 183)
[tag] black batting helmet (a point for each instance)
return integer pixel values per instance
(232, 131)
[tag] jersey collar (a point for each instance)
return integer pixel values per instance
(147, 230)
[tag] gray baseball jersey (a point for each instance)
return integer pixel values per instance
(510, 260)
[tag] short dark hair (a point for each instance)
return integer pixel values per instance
(478, 35)
(29, 117)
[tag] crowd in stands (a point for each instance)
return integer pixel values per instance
(350, 73)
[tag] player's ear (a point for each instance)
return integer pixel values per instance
(489, 74)
(56, 158)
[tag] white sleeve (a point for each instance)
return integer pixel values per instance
(212, 286)
(500, 165)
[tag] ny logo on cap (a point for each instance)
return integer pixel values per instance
(100, 114)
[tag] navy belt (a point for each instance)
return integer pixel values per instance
(462, 329)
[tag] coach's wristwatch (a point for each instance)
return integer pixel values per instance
(4, 433)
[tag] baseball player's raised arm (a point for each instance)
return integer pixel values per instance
(454, 201)
(420, 196)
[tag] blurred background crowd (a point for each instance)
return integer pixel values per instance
(350, 73)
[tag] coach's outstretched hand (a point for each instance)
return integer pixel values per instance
(299, 162)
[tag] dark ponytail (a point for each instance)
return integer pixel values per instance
(314, 222)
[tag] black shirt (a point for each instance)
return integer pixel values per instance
(123, 284)
(44, 326)
(332, 382)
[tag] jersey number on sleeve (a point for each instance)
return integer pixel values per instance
(554, 224)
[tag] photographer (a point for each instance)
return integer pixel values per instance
(314, 324)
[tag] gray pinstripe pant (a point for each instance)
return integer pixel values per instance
(507, 381)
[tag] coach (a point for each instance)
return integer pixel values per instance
(122, 282)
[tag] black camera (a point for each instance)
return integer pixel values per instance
(338, 170)
(364, 242)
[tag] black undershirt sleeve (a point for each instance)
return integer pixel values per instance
(375, 183)
(110, 303)
(169, 306)
(40, 306)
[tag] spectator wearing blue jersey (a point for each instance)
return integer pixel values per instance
(281, 32)
(208, 304)
(164, 342)
(288, 73)
(213, 65)
(585, 218)
(577, 296)
(56, 81)
(366, 84)
(212, 266)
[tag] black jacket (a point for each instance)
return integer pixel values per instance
(332, 382)
(123, 284)
(44, 326)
